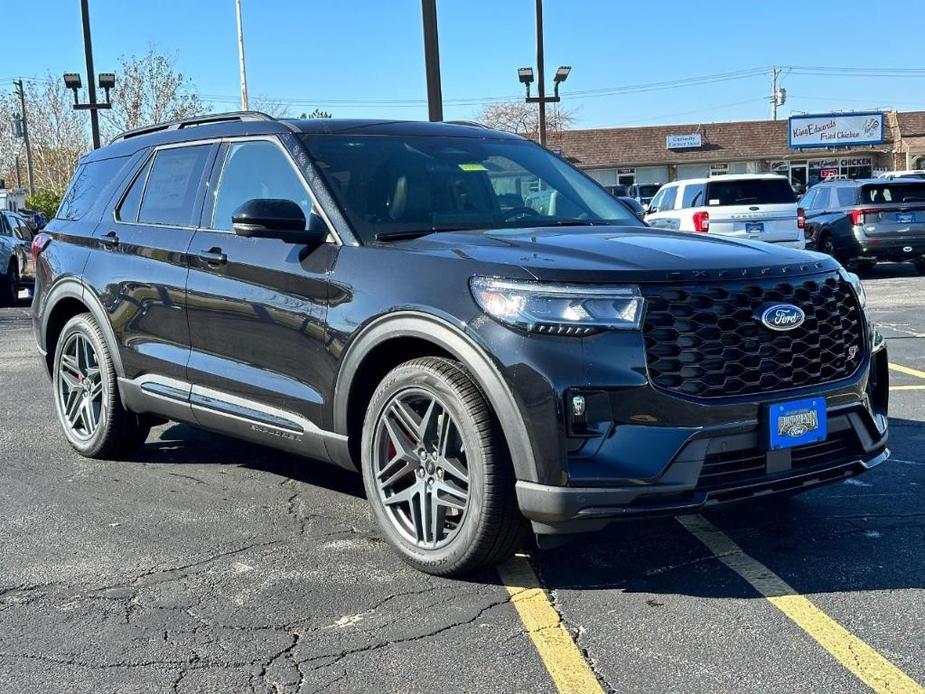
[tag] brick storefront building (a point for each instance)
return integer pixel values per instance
(622, 156)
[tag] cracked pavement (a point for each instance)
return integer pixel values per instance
(205, 564)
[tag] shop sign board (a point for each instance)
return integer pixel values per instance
(836, 129)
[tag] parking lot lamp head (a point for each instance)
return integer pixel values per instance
(561, 75)
(72, 82)
(525, 75)
(106, 81)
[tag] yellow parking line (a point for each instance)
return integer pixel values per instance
(861, 660)
(907, 387)
(566, 665)
(908, 370)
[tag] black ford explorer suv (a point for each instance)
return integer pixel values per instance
(383, 295)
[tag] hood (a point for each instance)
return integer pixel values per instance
(607, 254)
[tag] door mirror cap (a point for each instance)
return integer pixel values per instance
(271, 218)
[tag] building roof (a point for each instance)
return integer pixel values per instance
(738, 141)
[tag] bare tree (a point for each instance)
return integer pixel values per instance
(150, 90)
(272, 107)
(58, 133)
(523, 118)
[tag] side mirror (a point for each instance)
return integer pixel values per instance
(271, 218)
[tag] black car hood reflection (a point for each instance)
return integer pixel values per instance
(632, 253)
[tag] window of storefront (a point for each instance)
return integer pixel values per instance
(807, 173)
(719, 169)
(626, 177)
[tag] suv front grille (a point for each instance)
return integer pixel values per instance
(708, 341)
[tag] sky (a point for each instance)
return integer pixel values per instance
(364, 58)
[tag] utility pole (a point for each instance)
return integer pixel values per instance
(245, 103)
(540, 67)
(24, 124)
(777, 94)
(432, 60)
(91, 79)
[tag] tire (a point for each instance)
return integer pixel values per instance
(866, 267)
(920, 266)
(419, 405)
(827, 245)
(86, 394)
(9, 286)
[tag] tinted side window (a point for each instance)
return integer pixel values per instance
(254, 170)
(88, 182)
(807, 202)
(671, 195)
(173, 183)
(847, 195)
(4, 226)
(657, 200)
(822, 198)
(128, 210)
(693, 195)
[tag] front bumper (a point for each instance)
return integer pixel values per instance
(716, 464)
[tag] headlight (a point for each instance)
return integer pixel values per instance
(559, 309)
(855, 283)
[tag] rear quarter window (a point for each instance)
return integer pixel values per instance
(693, 195)
(847, 196)
(89, 181)
(750, 191)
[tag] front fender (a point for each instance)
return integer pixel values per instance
(465, 349)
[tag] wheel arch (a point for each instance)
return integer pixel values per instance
(68, 298)
(399, 337)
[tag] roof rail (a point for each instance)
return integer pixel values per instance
(472, 123)
(193, 121)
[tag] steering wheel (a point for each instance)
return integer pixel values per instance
(519, 213)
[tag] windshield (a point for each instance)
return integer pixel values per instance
(893, 192)
(391, 184)
(649, 190)
(750, 191)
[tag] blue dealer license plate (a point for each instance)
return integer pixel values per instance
(796, 423)
(905, 217)
(757, 227)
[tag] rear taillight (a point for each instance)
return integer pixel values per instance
(39, 243)
(857, 216)
(801, 218)
(702, 221)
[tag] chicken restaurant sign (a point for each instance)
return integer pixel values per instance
(836, 130)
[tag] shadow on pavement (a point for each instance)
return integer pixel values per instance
(883, 271)
(182, 444)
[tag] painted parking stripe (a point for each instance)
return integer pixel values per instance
(907, 387)
(908, 370)
(861, 660)
(566, 665)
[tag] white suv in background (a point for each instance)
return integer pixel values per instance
(762, 207)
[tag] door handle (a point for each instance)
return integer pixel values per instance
(110, 240)
(213, 256)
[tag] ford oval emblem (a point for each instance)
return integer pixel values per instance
(783, 317)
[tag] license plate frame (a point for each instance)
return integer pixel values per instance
(796, 423)
(754, 227)
(905, 217)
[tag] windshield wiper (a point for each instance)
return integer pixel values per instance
(412, 233)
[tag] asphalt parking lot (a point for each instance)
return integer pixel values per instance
(204, 564)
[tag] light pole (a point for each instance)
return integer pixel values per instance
(525, 75)
(432, 60)
(245, 102)
(107, 80)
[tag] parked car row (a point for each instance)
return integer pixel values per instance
(858, 222)
(17, 269)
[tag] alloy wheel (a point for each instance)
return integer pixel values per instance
(420, 468)
(80, 387)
